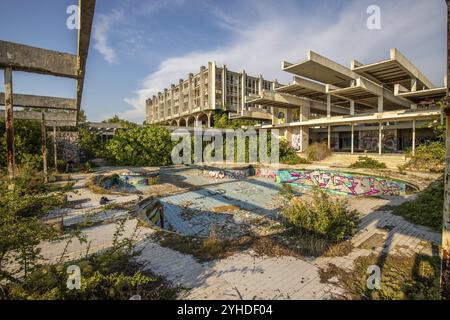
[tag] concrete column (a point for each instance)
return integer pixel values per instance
(380, 104)
(243, 90)
(9, 123)
(353, 138)
(212, 84)
(165, 113)
(352, 108)
(414, 138)
(172, 102)
(413, 84)
(328, 105)
(380, 138)
(209, 119)
(329, 137)
(260, 85)
(44, 146)
(224, 87)
(190, 92)
(187, 121)
(202, 87)
(55, 151)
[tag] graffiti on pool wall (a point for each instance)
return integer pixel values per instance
(342, 183)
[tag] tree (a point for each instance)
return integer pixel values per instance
(141, 146)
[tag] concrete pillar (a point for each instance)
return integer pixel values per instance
(329, 137)
(212, 85)
(9, 123)
(413, 84)
(414, 138)
(304, 136)
(243, 90)
(328, 105)
(352, 108)
(380, 104)
(380, 138)
(165, 108)
(353, 139)
(187, 121)
(260, 84)
(209, 114)
(202, 87)
(44, 146)
(55, 151)
(190, 92)
(224, 87)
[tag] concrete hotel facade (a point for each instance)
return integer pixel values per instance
(379, 107)
(213, 88)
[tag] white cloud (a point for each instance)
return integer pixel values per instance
(287, 32)
(101, 34)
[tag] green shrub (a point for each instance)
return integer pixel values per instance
(141, 146)
(368, 163)
(330, 219)
(426, 209)
(108, 276)
(288, 155)
(428, 157)
(317, 151)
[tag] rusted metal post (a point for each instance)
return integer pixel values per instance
(445, 267)
(55, 150)
(9, 122)
(44, 146)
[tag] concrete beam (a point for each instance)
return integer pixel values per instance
(410, 67)
(396, 116)
(31, 101)
(86, 16)
(50, 117)
(31, 59)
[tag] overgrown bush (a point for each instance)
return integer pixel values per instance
(111, 275)
(428, 157)
(141, 146)
(368, 163)
(426, 209)
(288, 155)
(317, 151)
(330, 219)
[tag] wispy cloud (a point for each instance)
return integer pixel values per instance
(101, 34)
(287, 31)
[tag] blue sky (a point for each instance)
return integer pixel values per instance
(139, 47)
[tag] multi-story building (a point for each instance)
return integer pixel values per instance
(213, 88)
(379, 107)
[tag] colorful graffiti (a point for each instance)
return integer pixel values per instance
(236, 174)
(342, 183)
(266, 173)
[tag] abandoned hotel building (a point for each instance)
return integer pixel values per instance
(380, 107)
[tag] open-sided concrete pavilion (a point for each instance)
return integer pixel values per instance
(381, 92)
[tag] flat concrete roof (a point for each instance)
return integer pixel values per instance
(424, 95)
(397, 69)
(319, 68)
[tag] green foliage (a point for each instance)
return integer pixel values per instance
(221, 121)
(21, 226)
(289, 156)
(317, 151)
(411, 277)
(90, 144)
(123, 122)
(327, 218)
(141, 146)
(368, 163)
(429, 156)
(426, 209)
(109, 275)
(27, 143)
